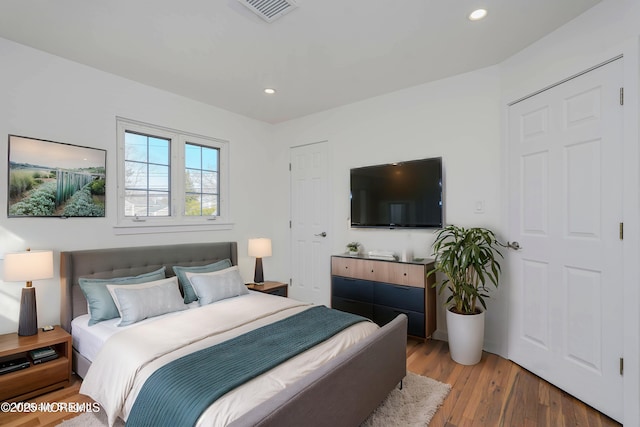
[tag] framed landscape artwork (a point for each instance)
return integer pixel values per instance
(53, 179)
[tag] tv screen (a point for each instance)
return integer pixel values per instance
(398, 195)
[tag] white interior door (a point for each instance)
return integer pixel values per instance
(565, 209)
(310, 236)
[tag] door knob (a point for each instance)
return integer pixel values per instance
(514, 245)
(323, 234)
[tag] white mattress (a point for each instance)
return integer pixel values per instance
(88, 340)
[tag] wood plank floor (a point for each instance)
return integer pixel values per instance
(495, 392)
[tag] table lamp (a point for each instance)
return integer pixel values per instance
(259, 248)
(28, 266)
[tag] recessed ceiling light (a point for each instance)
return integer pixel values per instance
(269, 91)
(477, 14)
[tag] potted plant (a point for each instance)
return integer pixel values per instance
(353, 248)
(468, 257)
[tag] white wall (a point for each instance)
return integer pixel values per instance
(50, 98)
(457, 118)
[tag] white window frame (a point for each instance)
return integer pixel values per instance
(177, 221)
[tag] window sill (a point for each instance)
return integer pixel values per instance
(170, 228)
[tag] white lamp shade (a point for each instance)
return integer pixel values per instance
(260, 248)
(28, 266)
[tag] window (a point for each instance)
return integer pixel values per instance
(201, 180)
(168, 178)
(146, 175)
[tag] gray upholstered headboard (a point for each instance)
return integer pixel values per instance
(120, 262)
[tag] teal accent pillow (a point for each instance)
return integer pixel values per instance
(139, 302)
(189, 294)
(219, 285)
(101, 305)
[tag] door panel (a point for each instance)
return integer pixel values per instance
(535, 297)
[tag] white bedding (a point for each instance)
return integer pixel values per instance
(89, 339)
(116, 376)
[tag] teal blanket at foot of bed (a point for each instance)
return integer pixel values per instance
(179, 392)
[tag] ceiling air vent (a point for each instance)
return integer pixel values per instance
(270, 10)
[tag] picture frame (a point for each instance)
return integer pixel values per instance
(55, 179)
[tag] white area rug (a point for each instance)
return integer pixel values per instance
(412, 406)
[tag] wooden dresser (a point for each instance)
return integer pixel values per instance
(381, 289)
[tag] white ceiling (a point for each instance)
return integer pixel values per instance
(323, 54)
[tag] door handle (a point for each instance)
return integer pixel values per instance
(514, 245)
(323, 234)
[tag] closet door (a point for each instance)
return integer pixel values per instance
(565, 209)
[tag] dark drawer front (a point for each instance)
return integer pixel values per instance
(360, 290)
(281, 292)
(350, 306)
(383, 315)
(403, 297)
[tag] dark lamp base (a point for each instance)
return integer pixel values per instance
(258, 277)
(28, 323)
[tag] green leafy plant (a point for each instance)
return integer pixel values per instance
(41, 202)
(97, 187)
(353, 246)
(469, 259)
(82, 204)
(20, 181)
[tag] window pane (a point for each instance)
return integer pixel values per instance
(158, 203)
(192, 156)
(193, 181)
(146, 175)
(135, 175)
(201, 180)
(158, 177)
(135, 203)
(159, 151)
(209, 182)
(193, 205)
(201, 205)
(135, 147)
(209, 205)
(209, 159)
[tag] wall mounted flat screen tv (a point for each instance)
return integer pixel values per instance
(398, 195)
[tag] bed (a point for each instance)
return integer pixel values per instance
(342, 391)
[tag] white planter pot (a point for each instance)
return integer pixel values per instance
(466, 336)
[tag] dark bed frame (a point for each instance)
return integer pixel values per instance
(341, 393)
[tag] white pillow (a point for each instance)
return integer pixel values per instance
(217, 285)
(139, 302)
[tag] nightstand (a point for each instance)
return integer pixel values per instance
(36, 379)
(273, 288)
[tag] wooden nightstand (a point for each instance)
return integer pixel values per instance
(273, 288)
(36, 379)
